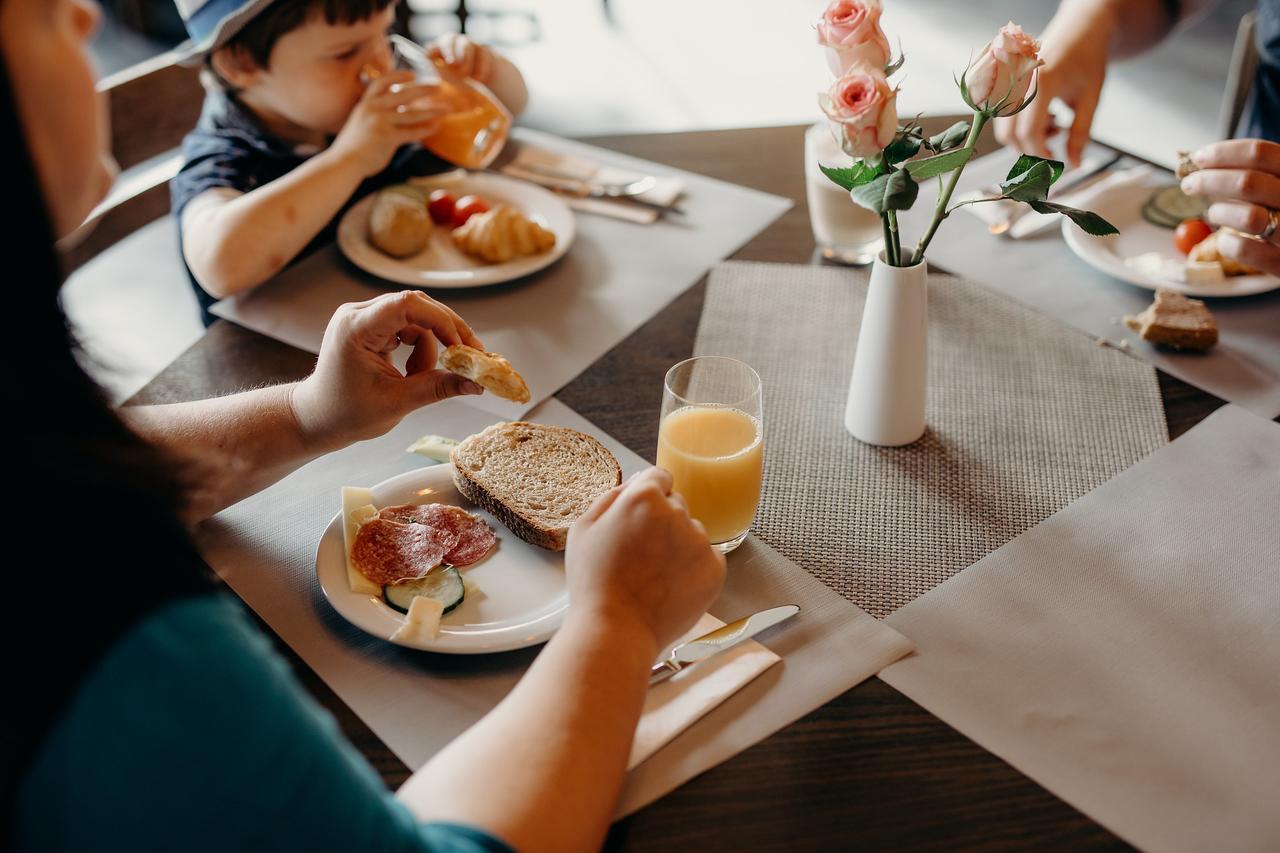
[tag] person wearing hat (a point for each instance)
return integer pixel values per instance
(292, 132)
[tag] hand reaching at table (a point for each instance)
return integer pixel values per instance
(356, 392)
(1242, 176)
(636, 557)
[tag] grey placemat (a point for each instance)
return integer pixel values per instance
(1043, 273)
(1024, 415)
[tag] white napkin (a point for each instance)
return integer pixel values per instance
(536, 164)
(686, 697)
(1029, 222)
(1125, 653)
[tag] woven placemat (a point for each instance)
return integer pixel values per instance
(1024, 416)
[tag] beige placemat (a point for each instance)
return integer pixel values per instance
(265, 548)
(1024, 415)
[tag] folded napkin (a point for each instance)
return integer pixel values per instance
(560, 171)
(686, 697)
(1029, 222)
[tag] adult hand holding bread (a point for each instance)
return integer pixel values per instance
(636, 560)
(356, 392)
(1242, 176)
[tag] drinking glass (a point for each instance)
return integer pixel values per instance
(711, 439)
(474, 130)
(844, 231)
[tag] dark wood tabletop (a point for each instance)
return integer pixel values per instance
(871, 769)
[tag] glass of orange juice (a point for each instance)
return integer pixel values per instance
(711, 439)
(476, 127)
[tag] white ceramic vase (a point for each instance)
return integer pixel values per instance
(887, 388)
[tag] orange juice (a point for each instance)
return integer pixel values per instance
(473, 131)
(715, 456)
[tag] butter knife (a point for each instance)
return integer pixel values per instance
(719, 640)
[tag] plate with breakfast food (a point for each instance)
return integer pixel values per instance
(459, 229)
(466, 557)
(1164, 243)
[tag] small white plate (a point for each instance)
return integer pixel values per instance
(1122, 207)
(522, 592)
(442, 264)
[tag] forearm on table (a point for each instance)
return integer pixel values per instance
(543, 770)
(236, 244)
(230, 446)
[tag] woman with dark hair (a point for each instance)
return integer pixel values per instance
(150, 713)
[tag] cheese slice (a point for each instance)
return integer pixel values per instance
(357, 508)
(422, 623)
(435, 447)
(1204, 272)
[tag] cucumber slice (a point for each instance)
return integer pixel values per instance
(1155, 217)
(1173, 203)
(442, 583)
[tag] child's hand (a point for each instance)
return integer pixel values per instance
(394, 111)
(463, 56)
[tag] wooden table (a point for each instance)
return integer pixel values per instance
(870, 769)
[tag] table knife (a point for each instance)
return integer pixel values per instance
(718, 640)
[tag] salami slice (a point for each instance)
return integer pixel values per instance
(474, 536)
(389, 552)
(473, 543)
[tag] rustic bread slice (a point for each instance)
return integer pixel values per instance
(1175, 321)
(487, 369)
(537, 480)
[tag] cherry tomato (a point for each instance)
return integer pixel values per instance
(440, 205)
(468, 206)
(1189, 233)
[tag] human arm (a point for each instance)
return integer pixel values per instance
(640, 573)
(1083, 37)
(243, 442)
(234, 240)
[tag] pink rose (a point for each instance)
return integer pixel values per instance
(863, 110)
(850, 32)
(1004, 70)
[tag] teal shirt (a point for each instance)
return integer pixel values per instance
(191, 734)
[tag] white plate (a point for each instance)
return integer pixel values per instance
(1122, 207)
(442, 264)
(523, 596)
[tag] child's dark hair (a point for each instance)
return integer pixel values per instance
(260, 35)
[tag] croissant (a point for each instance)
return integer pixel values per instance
(502, 234)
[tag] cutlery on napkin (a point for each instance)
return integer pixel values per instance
(572, 175)
(676, 702)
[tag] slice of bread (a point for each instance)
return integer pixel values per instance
(488, 370)
(1175, 321)
(537, 480)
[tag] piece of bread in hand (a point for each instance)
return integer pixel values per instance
(502, 234)
(488, 370)
(537, 480)
(1207, 251)
(399, 224)
(1186, 165)
(1176, 321)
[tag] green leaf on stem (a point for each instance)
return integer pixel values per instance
(894, 191)
(1026, 161)
(1031, 185)
(847, 179)
(930, 167)
(1087, 221)
(903, 147)
(951, 137)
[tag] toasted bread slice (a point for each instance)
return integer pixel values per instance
(487, 369)
(537, 480)
(1175, 321)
